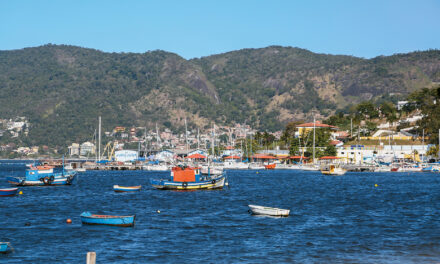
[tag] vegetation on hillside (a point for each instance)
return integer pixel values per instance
(63, 89)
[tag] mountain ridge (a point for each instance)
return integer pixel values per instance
(63, 88)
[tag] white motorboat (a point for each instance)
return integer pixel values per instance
(333, 169)
(235, 165)
(156, 167)
(309, 168)
(270, 211)
(256, 166)
(206, 170)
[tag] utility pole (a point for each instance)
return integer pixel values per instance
(351, 127)
(99, 141)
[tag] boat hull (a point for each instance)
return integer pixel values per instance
(269, 211)
(8, 192)
(111, 220)
(58, 180)
(118, 188)
(334, 173)
(217, 183)
(5, 247)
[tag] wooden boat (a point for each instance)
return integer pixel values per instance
(5, 247)
(43, 175)
(270, 166)
(112, 220)
(118, 188)
(333, 169)
(189, 179)
(271, 211)
(8, 191)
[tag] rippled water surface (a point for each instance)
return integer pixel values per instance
(333, 219)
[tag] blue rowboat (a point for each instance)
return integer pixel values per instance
(5, 247)
(118, 188)
(112, 220)
(8, 191)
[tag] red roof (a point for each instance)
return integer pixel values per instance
(196, 156)
(229, 147)
(335, 142)
(297, 157)
(329, 157)
(262, 156)
(317, 124)
(232, 157)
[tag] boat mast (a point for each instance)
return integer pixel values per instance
(94, 142)
(99, 141)
(314, 126)
(198, 138)
(186, 137)
(158, 137)
(213, 140)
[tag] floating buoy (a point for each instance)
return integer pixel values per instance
(158, 211)
(375, 185)
(256, 172)
(69, 221)
(20, 192)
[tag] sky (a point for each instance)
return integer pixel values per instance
(196, 28)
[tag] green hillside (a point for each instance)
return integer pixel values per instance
(62, 89)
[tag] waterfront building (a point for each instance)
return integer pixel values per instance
(126, 155)
(87, 148)
(74, 149)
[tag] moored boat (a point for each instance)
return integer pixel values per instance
(118, 188)
(270, 166)
(8, 191)
(333, 169)
(43, 175)
(112, 220)
(270, 211)
(189, 179)
(207, 170)
(5, 247)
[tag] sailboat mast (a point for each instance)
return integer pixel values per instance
(99, 141)
(158, 137)
(198, 138)
(314, 126)
(213, 140)
(186, 137)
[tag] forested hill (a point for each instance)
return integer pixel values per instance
(62, 89)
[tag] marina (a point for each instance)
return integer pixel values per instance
(332, 219)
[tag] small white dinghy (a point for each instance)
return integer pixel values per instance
(263, 210)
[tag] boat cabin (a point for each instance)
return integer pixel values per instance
(185, 174)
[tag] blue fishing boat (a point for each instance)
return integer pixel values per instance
(187, 178)
(8, 191)
(43, 175)
(5, 247)
(112, 220)
(118, 188)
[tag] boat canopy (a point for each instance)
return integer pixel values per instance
(329, 158)
(196, 156)
(263, 157)
(232, 157)
(296, 157)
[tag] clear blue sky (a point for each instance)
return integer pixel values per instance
(199, 28)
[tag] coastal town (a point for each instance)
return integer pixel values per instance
(385, 144)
